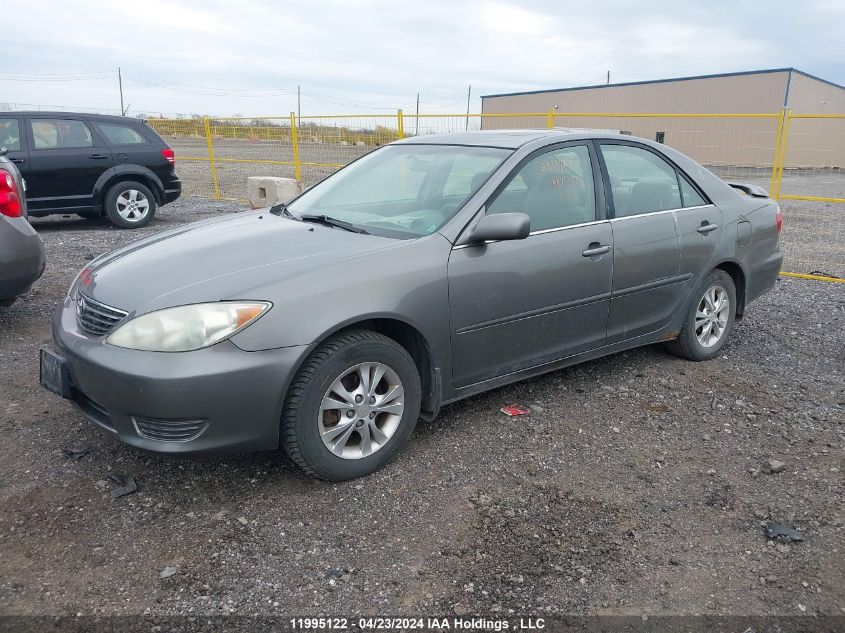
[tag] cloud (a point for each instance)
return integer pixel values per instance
(355, 56)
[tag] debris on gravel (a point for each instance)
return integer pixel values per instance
(783, 533)
(775, 466)
(125, 485)
(167, 572)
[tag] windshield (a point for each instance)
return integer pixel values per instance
(402, 191)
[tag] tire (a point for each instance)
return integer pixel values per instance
(692, 343)
(130, 205)
(337, 367)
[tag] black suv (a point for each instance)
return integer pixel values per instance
(91, 165)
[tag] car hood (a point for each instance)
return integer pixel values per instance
(219, 259)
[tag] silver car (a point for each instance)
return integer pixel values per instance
(21, 251)
(427, 271)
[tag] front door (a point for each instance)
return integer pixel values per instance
(523, 303)
(65, 160)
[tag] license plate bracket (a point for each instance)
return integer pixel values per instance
(54, 373)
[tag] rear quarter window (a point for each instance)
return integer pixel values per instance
(117, 134)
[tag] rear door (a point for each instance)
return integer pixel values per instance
(66, 158)
(13, 138)
(647, 279)
(700, 228)
(129, 145)
(523, 303)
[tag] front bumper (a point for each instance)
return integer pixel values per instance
(237, 395)
(21, 257)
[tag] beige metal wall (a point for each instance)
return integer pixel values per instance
(714, 142)
(816, 142)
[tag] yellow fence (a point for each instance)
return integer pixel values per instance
(799, 158)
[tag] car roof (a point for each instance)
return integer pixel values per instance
(59, 115)
(509, 139)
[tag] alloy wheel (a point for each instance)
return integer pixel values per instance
(711, 316)
(361, 410)
(132, 205)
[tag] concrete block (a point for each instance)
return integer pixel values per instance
(265, 191)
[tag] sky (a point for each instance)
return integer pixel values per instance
(247, 57)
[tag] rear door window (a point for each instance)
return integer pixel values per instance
(117, 134)
(60, 134)
(10, 134)
(641, 181)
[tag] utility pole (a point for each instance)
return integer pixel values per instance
(417, 124)
(608, 77)
(298, 105)
(120, 85)
(469, 94)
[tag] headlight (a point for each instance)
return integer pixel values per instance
(187, 328)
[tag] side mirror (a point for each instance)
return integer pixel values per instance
(501, 226)
(3, 151)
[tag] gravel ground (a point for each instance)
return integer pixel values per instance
(636, 486)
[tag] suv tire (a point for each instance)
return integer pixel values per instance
(351, 406)
(130, 205)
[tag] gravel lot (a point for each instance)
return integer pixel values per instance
(636, 486)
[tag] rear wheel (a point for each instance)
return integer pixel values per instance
(351, 406)
(130, 205)
(709, 320)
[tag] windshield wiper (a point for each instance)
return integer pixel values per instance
(282, 209)
(329, 221)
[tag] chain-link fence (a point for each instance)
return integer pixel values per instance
(799, 158)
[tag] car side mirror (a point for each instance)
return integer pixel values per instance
(3, 151)
(501, 226)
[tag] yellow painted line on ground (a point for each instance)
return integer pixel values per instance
(811, 198)
(835, 280)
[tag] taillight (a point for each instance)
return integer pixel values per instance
(779, 220)
(10, 199)
(169, 154)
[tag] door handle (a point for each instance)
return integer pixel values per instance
(596, 249)
(97, 156)
(18, 160)
(706, 227)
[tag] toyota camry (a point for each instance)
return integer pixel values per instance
(431, 269)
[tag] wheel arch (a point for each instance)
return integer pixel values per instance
(411, 339)
(737, 274)
(138, 174)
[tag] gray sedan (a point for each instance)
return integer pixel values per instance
(21, 251)
(427, 271)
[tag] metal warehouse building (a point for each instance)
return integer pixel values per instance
(743, 141)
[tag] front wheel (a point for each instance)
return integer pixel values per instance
(351, 406)
(130, 205)
(709, 321)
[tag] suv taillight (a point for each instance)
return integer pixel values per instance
(779, 220)
(10, 199)
(169, 154)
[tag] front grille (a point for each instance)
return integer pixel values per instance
(169, 430)
(95, 317)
